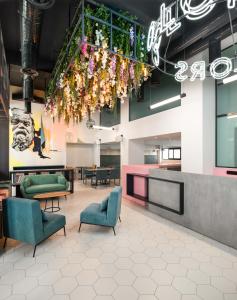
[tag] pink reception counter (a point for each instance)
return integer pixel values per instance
(139, 181)
(230, 172)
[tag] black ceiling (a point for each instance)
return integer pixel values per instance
(57, 19)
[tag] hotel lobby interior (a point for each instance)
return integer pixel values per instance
(118, 150)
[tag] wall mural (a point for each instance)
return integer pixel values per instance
(34, 138)
(25, 133)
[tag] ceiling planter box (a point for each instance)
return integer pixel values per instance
(103, 59)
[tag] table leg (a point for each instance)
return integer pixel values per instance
(51, 208)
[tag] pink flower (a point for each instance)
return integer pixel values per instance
(84, 46)
(131, 70)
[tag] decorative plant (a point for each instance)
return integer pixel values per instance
(89, 75)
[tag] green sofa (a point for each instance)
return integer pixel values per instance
(44, 183)
(24, 221)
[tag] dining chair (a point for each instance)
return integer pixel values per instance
(115, 174)
(101, 177)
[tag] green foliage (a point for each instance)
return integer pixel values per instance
(89, 24)
(120, 38)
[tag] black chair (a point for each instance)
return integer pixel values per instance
(87, 174)
(101, 176)
(114, 174)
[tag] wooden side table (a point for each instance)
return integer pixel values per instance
(4, 193)
(51, 196)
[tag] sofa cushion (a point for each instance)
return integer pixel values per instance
(104, 204)
(44, 179)
(45, 188)
(54, 223)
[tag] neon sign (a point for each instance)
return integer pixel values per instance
(170, 21)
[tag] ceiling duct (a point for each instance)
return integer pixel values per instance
(31, 15)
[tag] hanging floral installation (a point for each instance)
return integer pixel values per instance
(94, 75)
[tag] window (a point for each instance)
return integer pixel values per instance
(108, 117)
(165, 154)
(139, 105)
(226, 128)
(177, 154)
(171, 153)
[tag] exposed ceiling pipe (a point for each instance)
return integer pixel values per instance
(31, 15)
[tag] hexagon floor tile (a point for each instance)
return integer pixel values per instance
(149, 259)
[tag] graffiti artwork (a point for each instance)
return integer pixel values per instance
(25, 134)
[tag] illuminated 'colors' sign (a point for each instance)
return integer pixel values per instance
(170, 21)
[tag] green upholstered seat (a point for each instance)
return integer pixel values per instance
(94, 213)
(44, 183)
(55, 223)
(44, 188)
(22, 221)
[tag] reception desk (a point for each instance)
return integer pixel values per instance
(139, 185)
(209, 202)
(138, 189)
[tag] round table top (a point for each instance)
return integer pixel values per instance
(51, 195)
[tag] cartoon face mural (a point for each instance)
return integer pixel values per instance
(22, 128)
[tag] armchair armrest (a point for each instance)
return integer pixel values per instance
(62, 180)
(26, 182)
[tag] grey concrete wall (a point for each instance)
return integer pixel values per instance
(210, 203)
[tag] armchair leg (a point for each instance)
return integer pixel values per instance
(79, 228)
(64, 229)
(5, 243)
(114, 231)
(34, 250)
(119, 219)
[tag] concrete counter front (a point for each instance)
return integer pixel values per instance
(210, 203)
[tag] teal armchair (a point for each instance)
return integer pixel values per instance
(105, 213)
(44, 183)
(24, 221)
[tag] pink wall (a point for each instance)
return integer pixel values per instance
(222, 172)
(139, 183)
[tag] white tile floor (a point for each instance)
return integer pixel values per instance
(149, 258)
